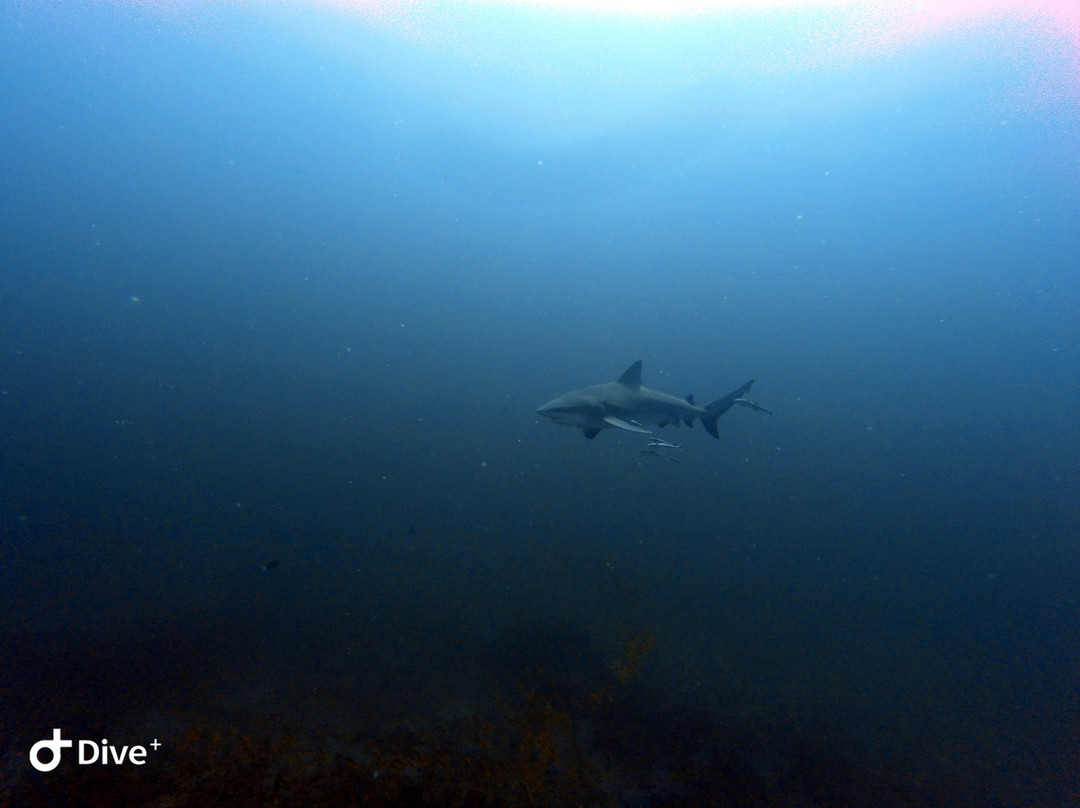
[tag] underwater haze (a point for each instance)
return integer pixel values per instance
(282, 287)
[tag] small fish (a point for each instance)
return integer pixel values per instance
(660, 443)
(661, 454)
(269, 565)
(752, 405)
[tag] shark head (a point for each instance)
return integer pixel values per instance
(568, 410)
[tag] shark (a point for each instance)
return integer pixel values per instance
(628, 404)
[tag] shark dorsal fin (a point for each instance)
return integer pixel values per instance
(632, 375)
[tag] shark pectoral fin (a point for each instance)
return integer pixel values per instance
(619, 423)
(590, 433)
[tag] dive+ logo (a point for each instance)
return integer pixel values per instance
(89, 752)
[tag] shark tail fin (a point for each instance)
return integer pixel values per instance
(714, 410)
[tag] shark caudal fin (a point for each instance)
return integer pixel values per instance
(717, 408)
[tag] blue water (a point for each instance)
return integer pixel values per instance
(288, 285)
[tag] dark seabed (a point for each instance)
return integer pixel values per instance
(281, 288)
